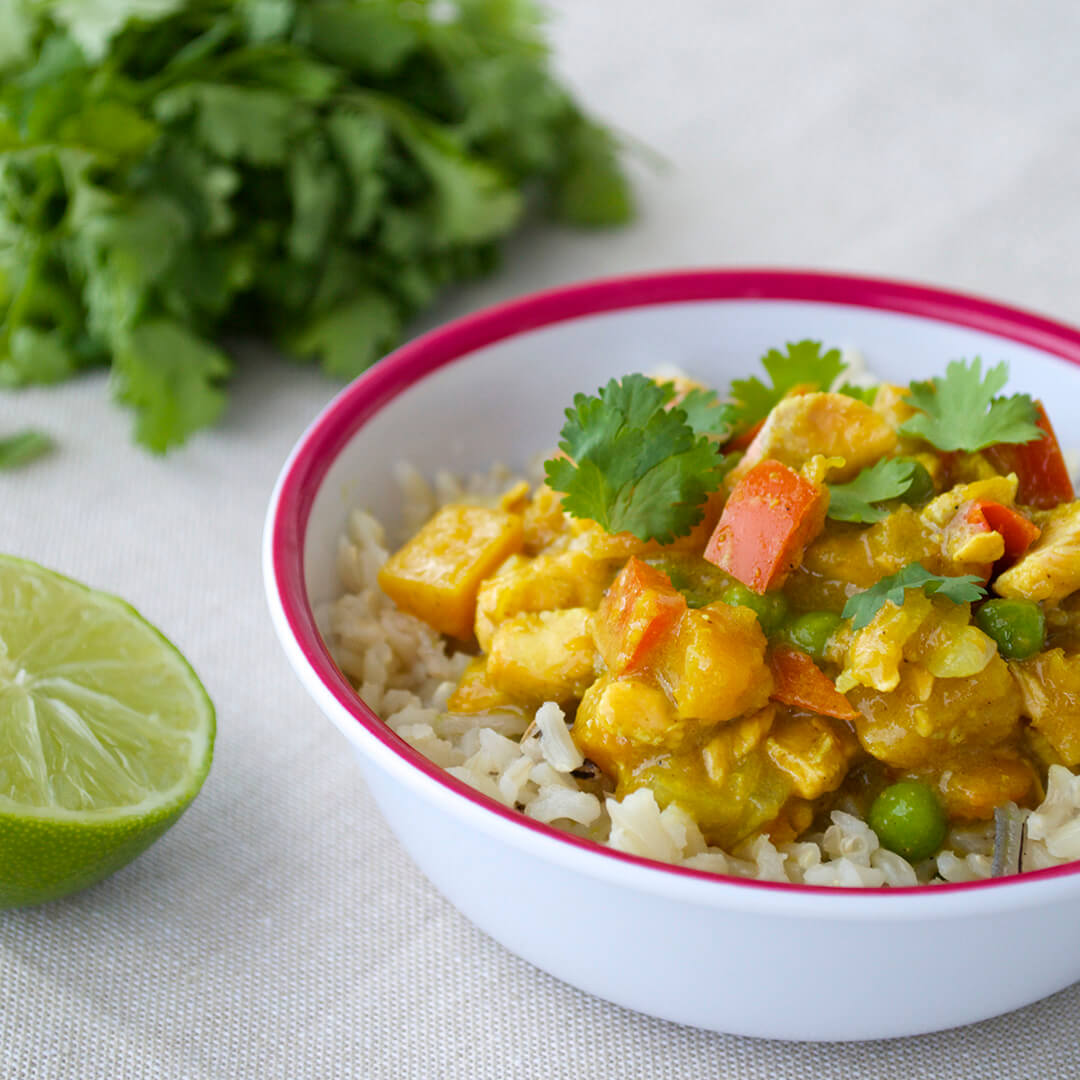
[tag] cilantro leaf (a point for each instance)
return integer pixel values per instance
(471, 200)
(634, 465)
(802, 364)
(37, 356)
(862, 607)
(22, 448)
(866, 394)
(94, 23)
(591, 189)
(359, 141)
(961, 411)
(884, 480)
(266, 19)
(352, 336)
(316, 191)
(16, 33)
(250, 124)
(363, 37)
(171, 378)
(706, 414)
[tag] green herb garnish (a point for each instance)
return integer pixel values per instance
(961, 411)
(866, 394)
(886, 479)
(22, 448)
(706, 414)
(802, 364)
(862, 607)
(634, 465)
(316, 171)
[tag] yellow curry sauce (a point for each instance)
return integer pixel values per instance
(717, 670)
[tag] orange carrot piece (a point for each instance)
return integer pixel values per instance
(771, 516)
(1039, 465)
(798, 681)
(638, 614)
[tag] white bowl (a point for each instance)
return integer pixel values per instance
(782, 961)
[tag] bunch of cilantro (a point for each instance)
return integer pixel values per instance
(172, 170)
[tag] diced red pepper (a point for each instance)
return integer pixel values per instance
(744, 438)
(981, 517)
(798, 681)
(1039, 465)
(770, 517)
(1018, 532)
(638, 614)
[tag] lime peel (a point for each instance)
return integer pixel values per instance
(106, 734)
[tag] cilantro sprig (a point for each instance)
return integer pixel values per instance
(886, 479)
(801, 364)
(315, 172)
(962, 410)
(634, 465)
(862, 607)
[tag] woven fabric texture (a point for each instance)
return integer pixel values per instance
(278, 932)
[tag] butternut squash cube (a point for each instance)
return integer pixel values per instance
(970, 785)
(437, 574)
(543, 656)
(715, 668)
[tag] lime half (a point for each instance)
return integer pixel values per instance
(106, 734)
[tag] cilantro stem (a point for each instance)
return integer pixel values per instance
(23, 298)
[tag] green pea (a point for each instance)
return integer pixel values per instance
(677, 574)
(811, 632)
(909, 820)
(921, 489)
(771, 608)
(1018, 626)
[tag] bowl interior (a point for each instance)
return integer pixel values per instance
(493, 388)
(504, 402)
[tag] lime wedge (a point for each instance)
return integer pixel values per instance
(106, 734)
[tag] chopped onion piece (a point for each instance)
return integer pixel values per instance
(559, 748)
(1008, 839)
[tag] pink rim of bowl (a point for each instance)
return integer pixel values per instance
(372, 391)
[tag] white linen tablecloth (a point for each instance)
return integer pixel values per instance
(278, 931)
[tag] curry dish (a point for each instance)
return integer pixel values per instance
(855, 614)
